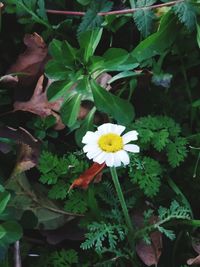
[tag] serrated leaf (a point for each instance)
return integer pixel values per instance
(91, 19)
(143, 19)
(186, 14)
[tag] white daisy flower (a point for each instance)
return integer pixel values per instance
(107, 145)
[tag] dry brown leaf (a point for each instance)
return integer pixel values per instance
(196, 247)
(103, 80)
(29, 148)
(193, 261)
(148, 253)
(9, 79)
(39, 104)
(32, 61)
(27, 159)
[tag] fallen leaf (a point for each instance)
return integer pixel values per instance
(148, 253)
(9, 79)
(86, 178)
(39, 104)
(27, 158)
(103, 80)
(196, 247)
(29, 148)
(193, 261)
(32, 61)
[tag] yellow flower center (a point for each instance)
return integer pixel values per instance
(110, 142)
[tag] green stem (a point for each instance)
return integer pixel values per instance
(196, 166)
(122, 200)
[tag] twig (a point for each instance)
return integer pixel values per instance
(17, 256)
(115, 12)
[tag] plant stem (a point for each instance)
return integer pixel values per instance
(122, 200)
(114, 12)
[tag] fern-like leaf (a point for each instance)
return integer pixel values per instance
(177, 151)
(186, 14)
(101, 235)
(76, 203)
(63, 258)
(91, 19)
(144, 18)
(147, 176)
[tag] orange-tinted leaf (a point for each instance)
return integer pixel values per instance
(86, 178)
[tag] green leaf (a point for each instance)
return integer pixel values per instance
(158, 42)
(121, 110)
(2, 232)
(69, 54)
(55, 49)
(196, 104)
(13, 232)
(88, 42)
(4, 198)
(86, 125)
(70, 109)
(124, 74)
(83, 2)
(55, 70)
(177, 151)
(63, 258)
(114, 57)
(58, 89)
(146, 174)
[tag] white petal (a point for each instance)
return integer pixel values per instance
(104, 128)
(100, 158)
(130, 136)
(110, 128)
(123, 156)
(110, 160)
(117, 161)
(90, 137)
(132, 148)
(118, 129)
(93, 153)
(90, 147)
